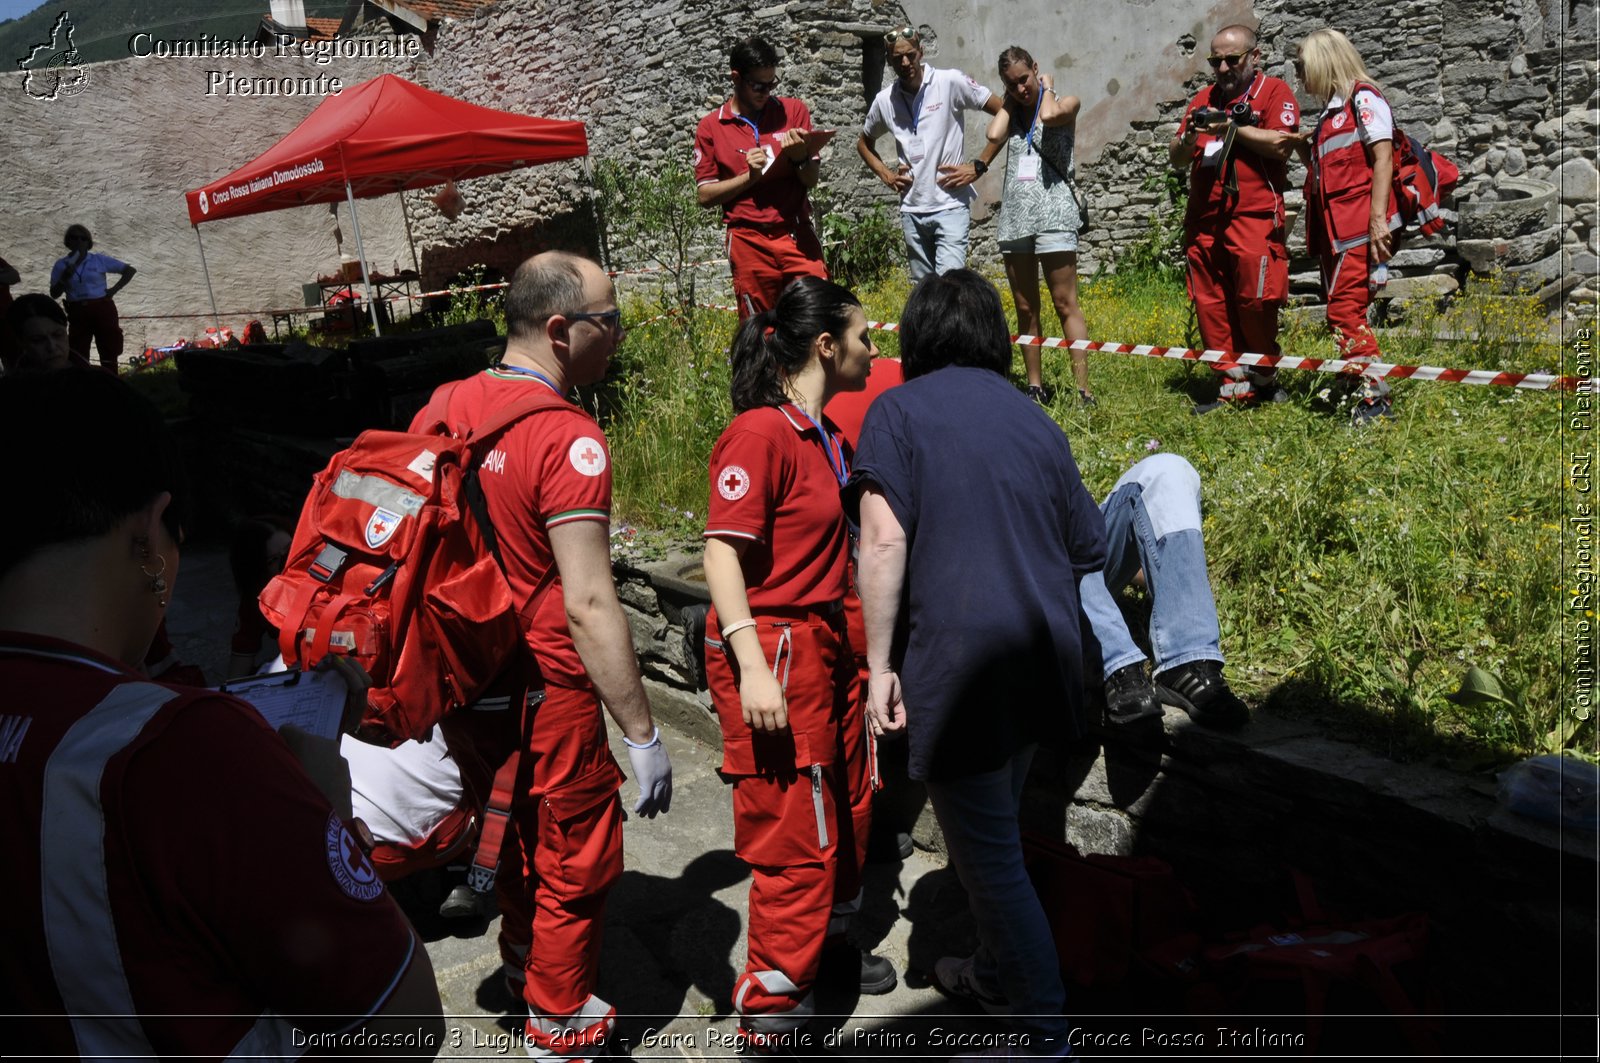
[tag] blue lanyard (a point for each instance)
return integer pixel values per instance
(1028, 145)
(755, 130)
(551, 384)
(914, 108)
(830, 446)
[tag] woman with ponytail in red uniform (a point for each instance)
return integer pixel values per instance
(778, 660)
(1352, 221)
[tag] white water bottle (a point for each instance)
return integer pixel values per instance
(1380, 277)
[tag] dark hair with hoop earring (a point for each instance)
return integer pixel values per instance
(1014, 54)
(954, 318)
(775, 344)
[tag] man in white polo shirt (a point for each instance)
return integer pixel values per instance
(925, 108)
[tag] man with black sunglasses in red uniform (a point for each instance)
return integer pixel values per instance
(755, 157)
(1235, 139)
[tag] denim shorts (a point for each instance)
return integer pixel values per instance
(1042, 244)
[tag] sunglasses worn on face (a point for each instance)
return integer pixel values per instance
(611, 319)
(1216, 61)
(759, 86)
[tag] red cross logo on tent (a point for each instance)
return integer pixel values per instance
(733, 483)
(587, 456)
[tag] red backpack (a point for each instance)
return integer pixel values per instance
(1423, 179)
(387, 567)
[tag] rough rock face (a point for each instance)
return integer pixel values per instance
(1507, 89)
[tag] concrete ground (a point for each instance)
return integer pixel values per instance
(674, 936)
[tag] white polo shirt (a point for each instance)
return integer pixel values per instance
(929, 128)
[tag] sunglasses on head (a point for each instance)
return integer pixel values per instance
(1234, 60)
(904, 33)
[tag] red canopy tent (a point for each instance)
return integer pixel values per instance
(376, 138)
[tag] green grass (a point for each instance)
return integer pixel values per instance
(1357, 572)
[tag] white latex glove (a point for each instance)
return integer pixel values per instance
(653, 772)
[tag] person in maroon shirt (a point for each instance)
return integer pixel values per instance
(1234, 140)
(755, 157)
(177, 884)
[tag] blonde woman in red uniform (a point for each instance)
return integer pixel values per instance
(1351, 217)
(778, 660)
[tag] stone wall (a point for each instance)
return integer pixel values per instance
(1505, 89)
(641, 76)
(118, 157)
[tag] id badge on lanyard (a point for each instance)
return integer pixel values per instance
(912, 145)
(1028, 165)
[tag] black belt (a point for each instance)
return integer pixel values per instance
(799, 612)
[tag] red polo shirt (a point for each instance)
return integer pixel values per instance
(773, 484)
(849, 408)
(1261, 180)
(720, 142)
(548, 469)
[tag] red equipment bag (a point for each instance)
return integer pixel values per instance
(1109, 915)
(387, 567)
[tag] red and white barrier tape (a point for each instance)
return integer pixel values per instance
(1487, 377)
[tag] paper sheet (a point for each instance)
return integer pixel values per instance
(311, 701)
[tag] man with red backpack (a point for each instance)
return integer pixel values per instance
(547, 488)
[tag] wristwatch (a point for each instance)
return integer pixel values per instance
(980, 167)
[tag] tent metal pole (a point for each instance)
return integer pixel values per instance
(405, 214)
(216, 318)
(355, 223)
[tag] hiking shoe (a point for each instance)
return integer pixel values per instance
(1131, 699)
(1372, 411)
(1087, 400)
(1199, 689)
(956, 977)
(1202, 408)
(1271, 394)
(1038, 394)
(462, 903)
(842, 962)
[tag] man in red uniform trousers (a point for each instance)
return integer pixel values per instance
(1235, 139)
(547, 486)
(755, 157)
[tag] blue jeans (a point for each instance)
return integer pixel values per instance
(1016, 954)
(937, 242)
(1153, 522)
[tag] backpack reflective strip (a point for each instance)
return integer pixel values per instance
(377, 492)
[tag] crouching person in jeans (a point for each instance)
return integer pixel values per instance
(1153, 528)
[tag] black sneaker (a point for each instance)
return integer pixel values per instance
(1199, 689)
(1271, 393)
(1038, 394)
(462, 903)
(1087, 400)
(1131, 699)
(842, 962)
(1366, 413)
(956, 977)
